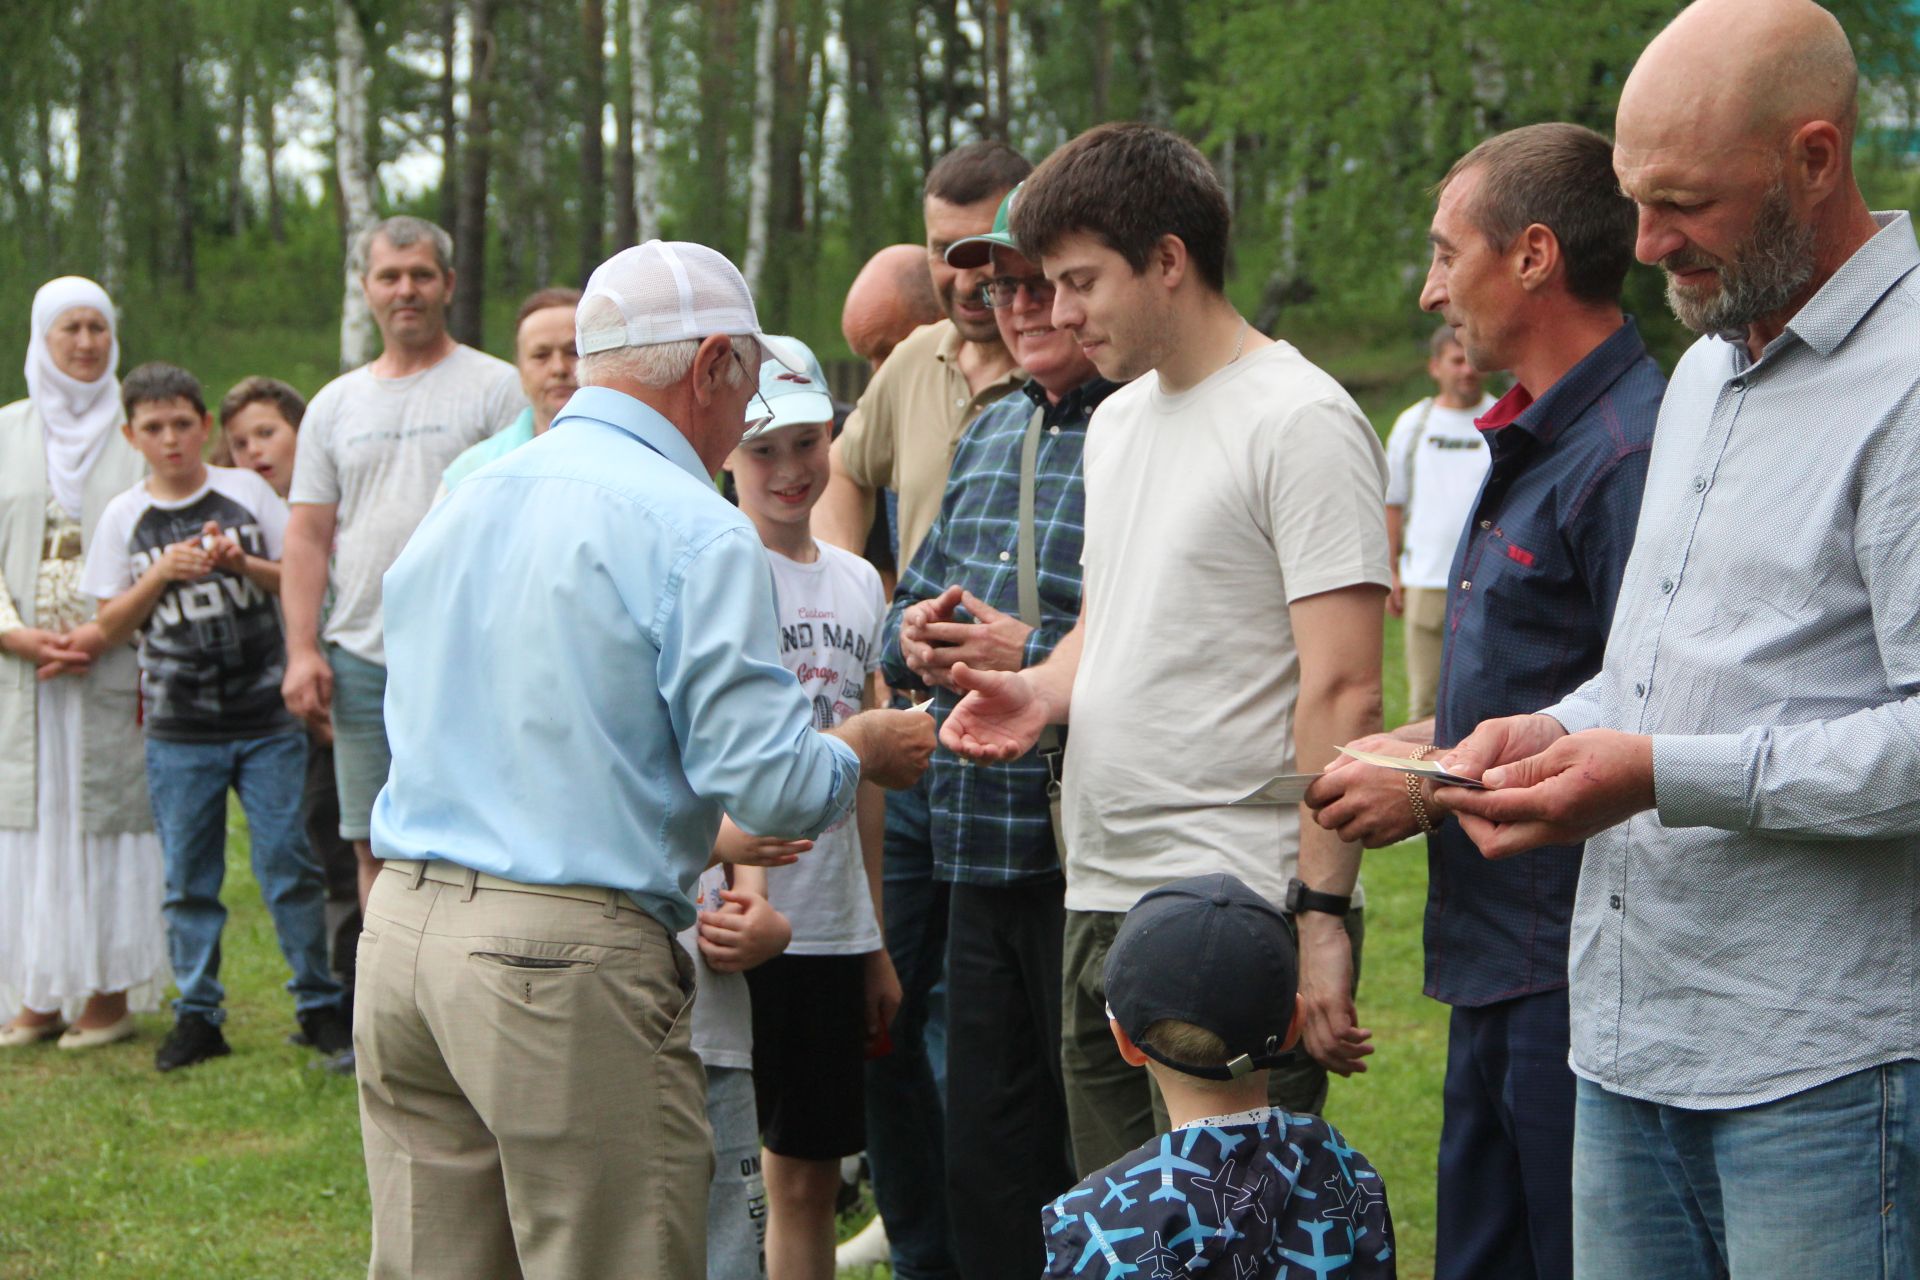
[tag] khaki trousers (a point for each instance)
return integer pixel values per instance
(530, 1102)
(1425, 618)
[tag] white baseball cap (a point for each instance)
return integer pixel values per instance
(670, 291)
(794, 399)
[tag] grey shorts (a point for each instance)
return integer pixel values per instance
(360, 754)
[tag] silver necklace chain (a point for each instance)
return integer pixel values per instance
(1241, 344)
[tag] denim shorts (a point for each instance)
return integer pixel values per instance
(360, 754)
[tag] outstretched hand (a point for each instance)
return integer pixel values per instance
(1000, 718)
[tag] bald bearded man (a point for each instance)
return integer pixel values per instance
(1745, 953)
(890, 298)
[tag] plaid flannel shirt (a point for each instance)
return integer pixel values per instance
(990, 822)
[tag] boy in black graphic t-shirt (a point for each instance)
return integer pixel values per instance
(188, 560)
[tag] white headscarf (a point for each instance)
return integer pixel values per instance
(76, 417)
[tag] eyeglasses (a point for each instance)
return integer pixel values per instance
(754, 423)
(1001, 290)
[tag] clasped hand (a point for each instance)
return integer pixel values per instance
(932, 642)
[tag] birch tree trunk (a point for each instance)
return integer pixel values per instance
(449, 121)
(593, 107)
(646, 193)
(237, 159)
(264, 121)
(476, 151)
(623, 200)
(760, 174)
(113, 227)
(534, 140)
(357, 334)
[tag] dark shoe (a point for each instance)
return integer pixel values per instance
(328, 1031)
(193, 1039)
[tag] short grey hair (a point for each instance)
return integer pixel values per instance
(400, 231)
(664, 363)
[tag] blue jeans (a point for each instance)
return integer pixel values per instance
(1506, 1143)
(1821, 1183)
(905, 1112)
(188, 783)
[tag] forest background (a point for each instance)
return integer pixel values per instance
(208, 159)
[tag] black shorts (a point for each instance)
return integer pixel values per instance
(809, 1055)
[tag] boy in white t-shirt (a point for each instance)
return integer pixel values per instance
(188, 560)
(1436, 462)
(820, 1006)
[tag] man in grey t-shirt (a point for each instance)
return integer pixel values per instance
(371, 451)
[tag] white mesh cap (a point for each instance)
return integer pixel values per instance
(669, 291)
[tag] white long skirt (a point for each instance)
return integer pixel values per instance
(78, 914)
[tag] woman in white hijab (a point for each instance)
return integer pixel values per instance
(81, 878)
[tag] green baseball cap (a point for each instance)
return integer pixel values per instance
(975, 250)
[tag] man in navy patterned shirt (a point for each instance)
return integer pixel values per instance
(1201, 981)
(959, 601)
(1531, 242)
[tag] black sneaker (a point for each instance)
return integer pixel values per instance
(328, 1031)
(193, 1039)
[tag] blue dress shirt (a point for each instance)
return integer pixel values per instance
(1535, 578)
(581, 671)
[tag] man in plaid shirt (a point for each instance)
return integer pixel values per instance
(959, 601)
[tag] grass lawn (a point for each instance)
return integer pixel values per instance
(249, 1166)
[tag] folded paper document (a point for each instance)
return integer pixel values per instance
(1288, 788)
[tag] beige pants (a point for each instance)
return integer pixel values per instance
(530, 1102)
(1426, 623)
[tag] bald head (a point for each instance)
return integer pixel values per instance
(1739, 74)
(890, 298)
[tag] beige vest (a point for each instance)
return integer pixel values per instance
(113, 784)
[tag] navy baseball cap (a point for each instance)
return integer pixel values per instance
(1210, 951)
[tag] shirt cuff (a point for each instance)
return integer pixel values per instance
(1574, 715)
(1700, 780)
(849, 779)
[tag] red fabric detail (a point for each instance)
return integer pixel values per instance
(1521, 554)
(1506, 409)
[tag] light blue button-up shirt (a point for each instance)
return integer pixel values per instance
(581, 671)
(1759, 932)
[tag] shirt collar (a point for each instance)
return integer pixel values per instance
(1568, 398)
(620, 410)
(1075, 407)
(1862, 280)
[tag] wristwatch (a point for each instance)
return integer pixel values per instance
(1300, 898)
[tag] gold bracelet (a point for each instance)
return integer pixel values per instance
(1414, 796)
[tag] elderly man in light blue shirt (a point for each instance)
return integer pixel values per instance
(582, 678)
(1745, 951)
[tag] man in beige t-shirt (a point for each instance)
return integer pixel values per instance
(902, 436)
(1231, 609)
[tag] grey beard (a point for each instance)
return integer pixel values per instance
(1766, 273)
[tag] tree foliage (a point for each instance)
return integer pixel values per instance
(137, 137)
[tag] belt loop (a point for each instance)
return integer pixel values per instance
(473, 880)
(419, 873)
(612, 908)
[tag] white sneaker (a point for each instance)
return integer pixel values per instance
(868, 1248)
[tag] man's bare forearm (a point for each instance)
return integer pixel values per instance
(1336, 712)
(1052, 680)
(303, 574)
(844, 513)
